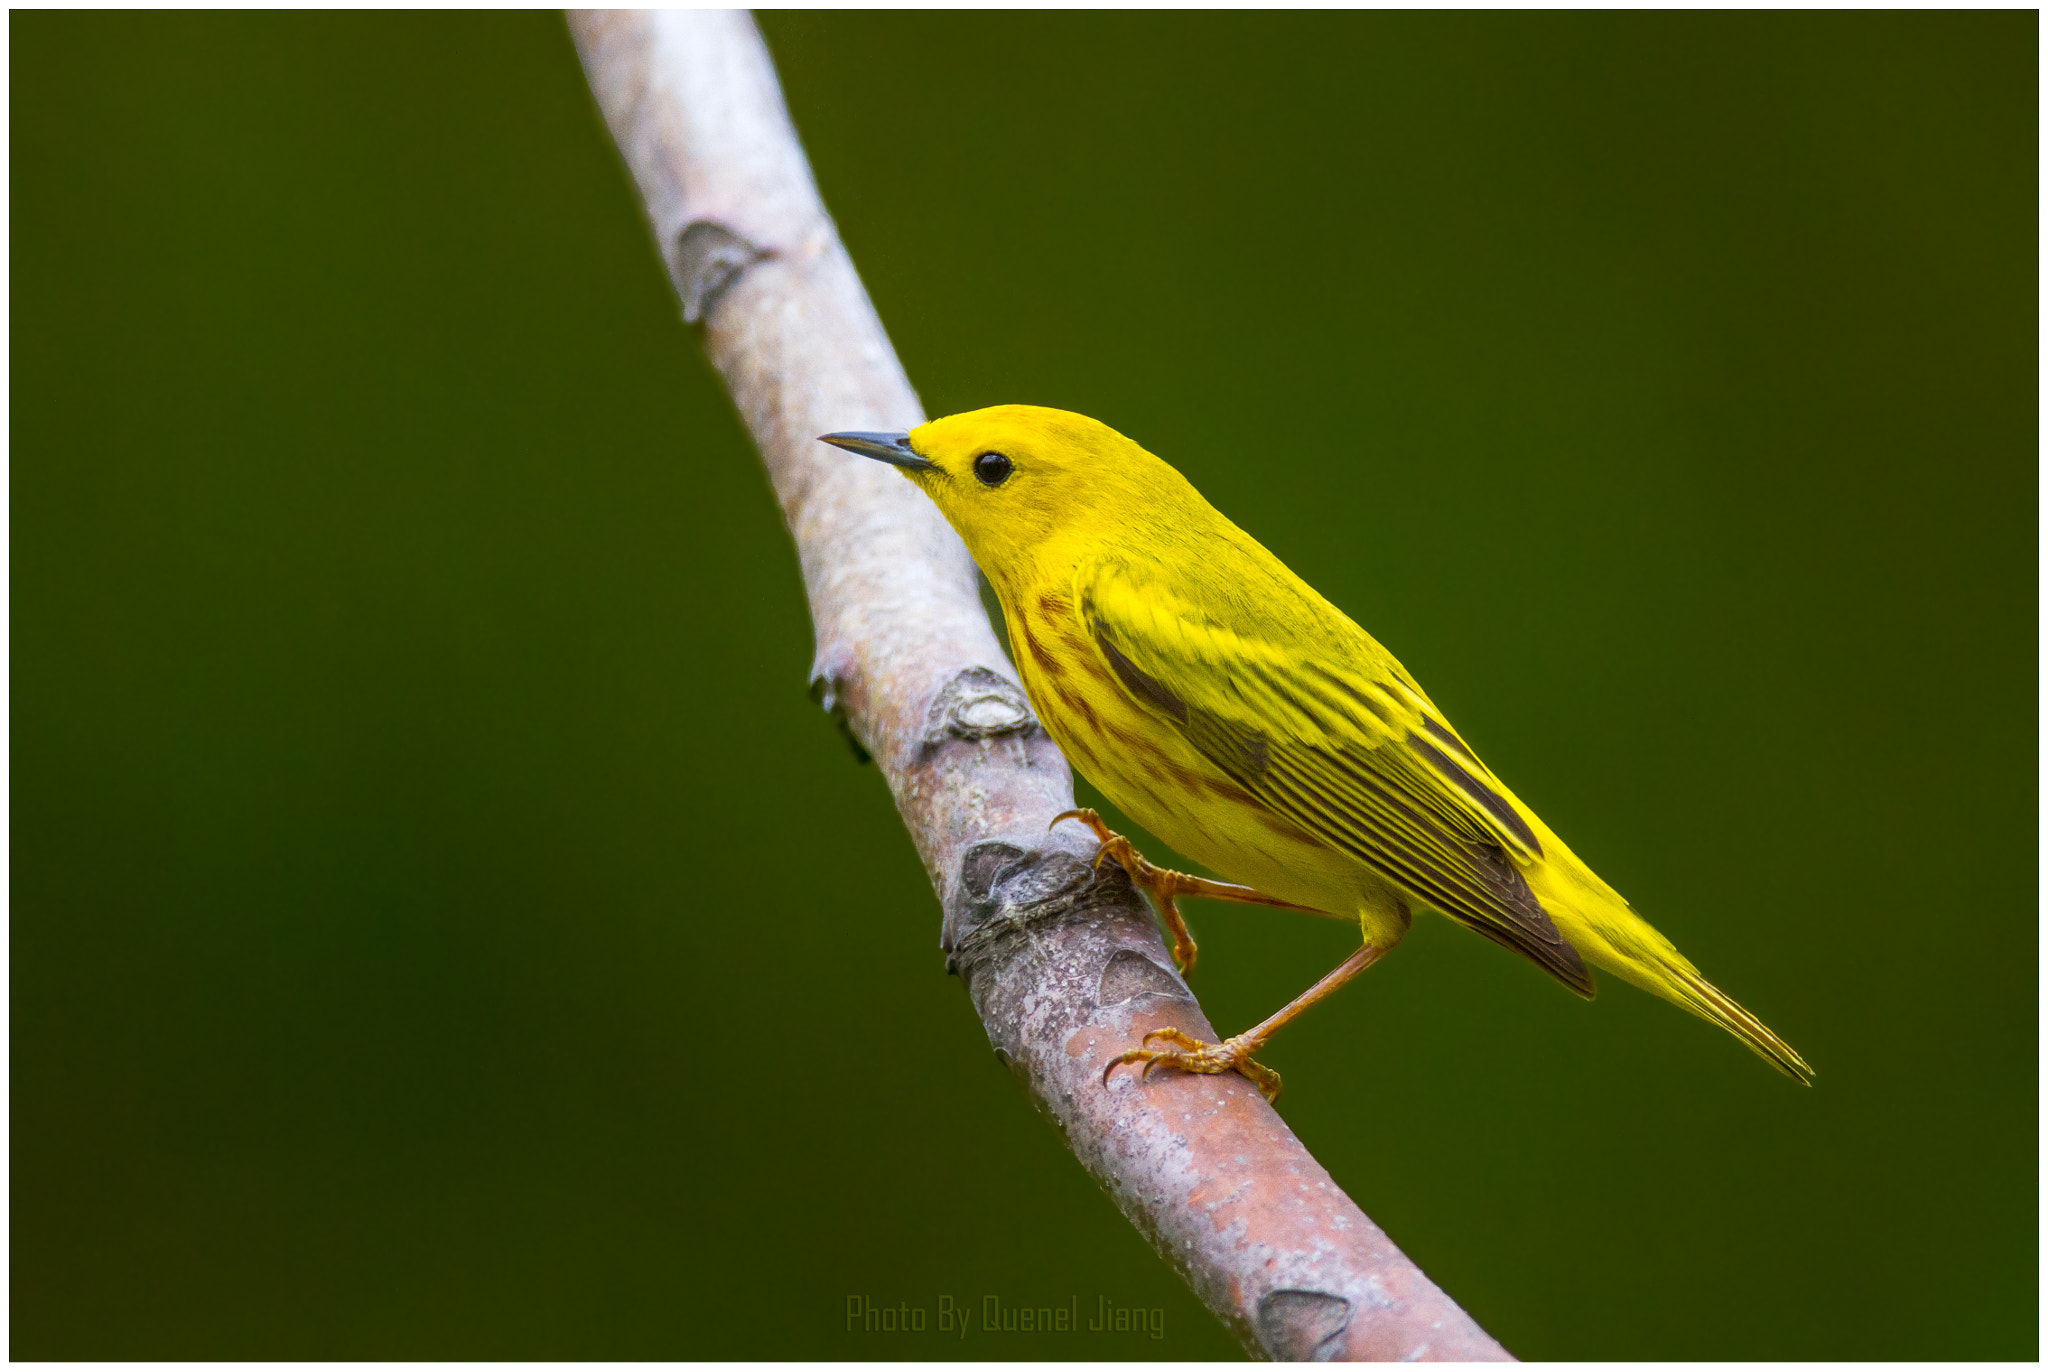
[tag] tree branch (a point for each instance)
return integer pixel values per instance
(1063, 963)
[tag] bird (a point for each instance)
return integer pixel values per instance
(1219, 701)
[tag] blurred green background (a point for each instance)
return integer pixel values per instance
(443, 927)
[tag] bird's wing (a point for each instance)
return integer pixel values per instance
(1316, 721)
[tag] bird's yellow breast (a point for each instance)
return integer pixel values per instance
(1149, 771)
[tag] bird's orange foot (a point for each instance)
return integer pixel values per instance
(1193, 1055)
(1162, 885)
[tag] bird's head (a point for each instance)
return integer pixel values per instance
(1012, 479)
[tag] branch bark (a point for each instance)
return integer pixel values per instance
(1063, 962)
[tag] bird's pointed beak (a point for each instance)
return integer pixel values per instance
(891, 448)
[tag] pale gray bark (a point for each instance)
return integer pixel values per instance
(1063, 963)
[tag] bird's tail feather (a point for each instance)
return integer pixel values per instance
(1613, 937)
(1695, 993)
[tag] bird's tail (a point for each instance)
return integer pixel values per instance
(1689, 990)
(1614, 938)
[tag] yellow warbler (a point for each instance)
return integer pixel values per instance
(1223, 704)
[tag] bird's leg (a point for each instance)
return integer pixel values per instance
(1164, 886)
(1235, 1054)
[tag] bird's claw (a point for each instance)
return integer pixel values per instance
(1109, 838)
(1161, 884)
(1117, 846)
(1082, 813)
(1190, 1054)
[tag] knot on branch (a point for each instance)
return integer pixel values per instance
(1045, 925)
(976, 704)
(1129, 974)
(1005, 889)
(825, 694)
(708, 258)
(1303, 1326)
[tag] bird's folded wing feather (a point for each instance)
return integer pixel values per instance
(1317, 722)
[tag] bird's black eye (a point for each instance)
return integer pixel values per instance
(992, 469)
